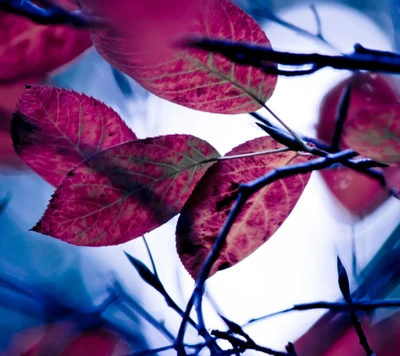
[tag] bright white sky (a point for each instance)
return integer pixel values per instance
(297, 265)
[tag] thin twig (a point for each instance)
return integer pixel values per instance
(252, 154)
(247, 344)
(344, 286)
(341, 118)
(298, 139)
(152, 351)
(334, 306)
(245, 191)
(270, 15)
(133, 305)
(51, 14)
(153, 265)
(165, 348)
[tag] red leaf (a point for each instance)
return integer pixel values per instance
(208, 207)
(28, 49)
(375, 133)
(334, 335)
(125, 191)
(54, 130)
(139, 44)
(392, 176)
(359, 194)
(9, 95)
(67, 339)
(367, 89)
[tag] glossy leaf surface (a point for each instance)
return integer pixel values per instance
(375, 133)
(206, 210)
(28, 49)
(125, 191)
(54, 130)
(192, 78)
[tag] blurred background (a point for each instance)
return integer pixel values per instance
(47, 285)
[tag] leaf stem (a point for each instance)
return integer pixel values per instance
(153, 265)
(252, 154)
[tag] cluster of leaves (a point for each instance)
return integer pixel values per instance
(113, 187)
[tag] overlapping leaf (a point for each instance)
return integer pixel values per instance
(125, 191)
(9, 95)
(375, 133)
(392, 177)
(28, 49)
(358, 193)
(192, 78)
(210, 203)
(54, 130)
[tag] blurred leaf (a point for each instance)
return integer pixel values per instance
(375, 133)
(28, 49)
(122, 82)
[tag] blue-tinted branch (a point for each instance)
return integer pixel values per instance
(256, 56)
(49, 14)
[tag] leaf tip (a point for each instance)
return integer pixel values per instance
(343, 279)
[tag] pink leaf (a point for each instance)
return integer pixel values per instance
(9, 95)
(139, 44)
(207, 209)
(392, 177)
(28, 49)
(125, 191)
(358, 193)
(54, 130)
(375, 132)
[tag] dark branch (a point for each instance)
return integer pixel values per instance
(50, 14)
(344, 286)
(248, 344)
(341, 118)
(255, 55)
